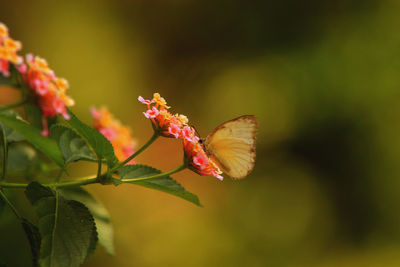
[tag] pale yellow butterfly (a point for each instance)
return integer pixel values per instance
(232, 146)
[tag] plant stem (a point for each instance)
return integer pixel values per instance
(181, 167)
(140, 150)
(99, 167)
(90, 180)
(14, 210)
(94, 180)
(5, 152)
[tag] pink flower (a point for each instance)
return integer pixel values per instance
(201, 160)
(188, 133)
(95, 113)
(22, 68)
(4, 68)
(151, 113)
(41, 87)
(216, 174)
(144, 101)
(108, 133)
(174, 130)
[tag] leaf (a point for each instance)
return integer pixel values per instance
(101, 146)
(21, 156)
(6, 214)
(46, 145)
(34, 115)
(33, 235)
(67, 228)
(165, 184)
(100, 214)
(11, 134)
(72, 146)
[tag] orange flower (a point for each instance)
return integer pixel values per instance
(8, 51)
(119, 135)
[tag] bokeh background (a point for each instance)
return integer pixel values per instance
(323, 78)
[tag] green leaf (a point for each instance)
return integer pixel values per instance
(11, 134)
(165, 184)
(33, 235)
(21, 156)
(6, 214)
(99, 212)
(67, 228)
(72, 146)
(46, 145)
(34, 115)
(101, 146)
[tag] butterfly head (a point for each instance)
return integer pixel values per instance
(202, 142)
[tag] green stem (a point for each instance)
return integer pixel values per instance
(99, 168)
(93, 160)
(140, 150)
(94, 180)
(5, 152)
(178, 169)
(10, 204)
(90, 180)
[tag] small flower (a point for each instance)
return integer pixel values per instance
(119, 136)
(144, 101)
(174, 130)
(182, 118)
(201, 160)
(160, 101)
(151, 113)
(3, 31)
(188, 133)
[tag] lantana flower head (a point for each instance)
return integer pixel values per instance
(8, 51)
(197, 159)
(119, 136)
(49, 90)
(164, 122)
(176, 126)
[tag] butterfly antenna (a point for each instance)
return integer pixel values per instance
(197, 132)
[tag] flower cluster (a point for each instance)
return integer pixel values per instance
(49, 89)
(176, 126)
(195, 155)
(8, 51)
(119, 135)
(164, 122)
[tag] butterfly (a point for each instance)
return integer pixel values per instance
(232, 146)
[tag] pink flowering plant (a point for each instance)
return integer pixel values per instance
(68, 225)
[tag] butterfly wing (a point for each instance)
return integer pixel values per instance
(232, 146)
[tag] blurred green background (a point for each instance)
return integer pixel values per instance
(323, 78)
